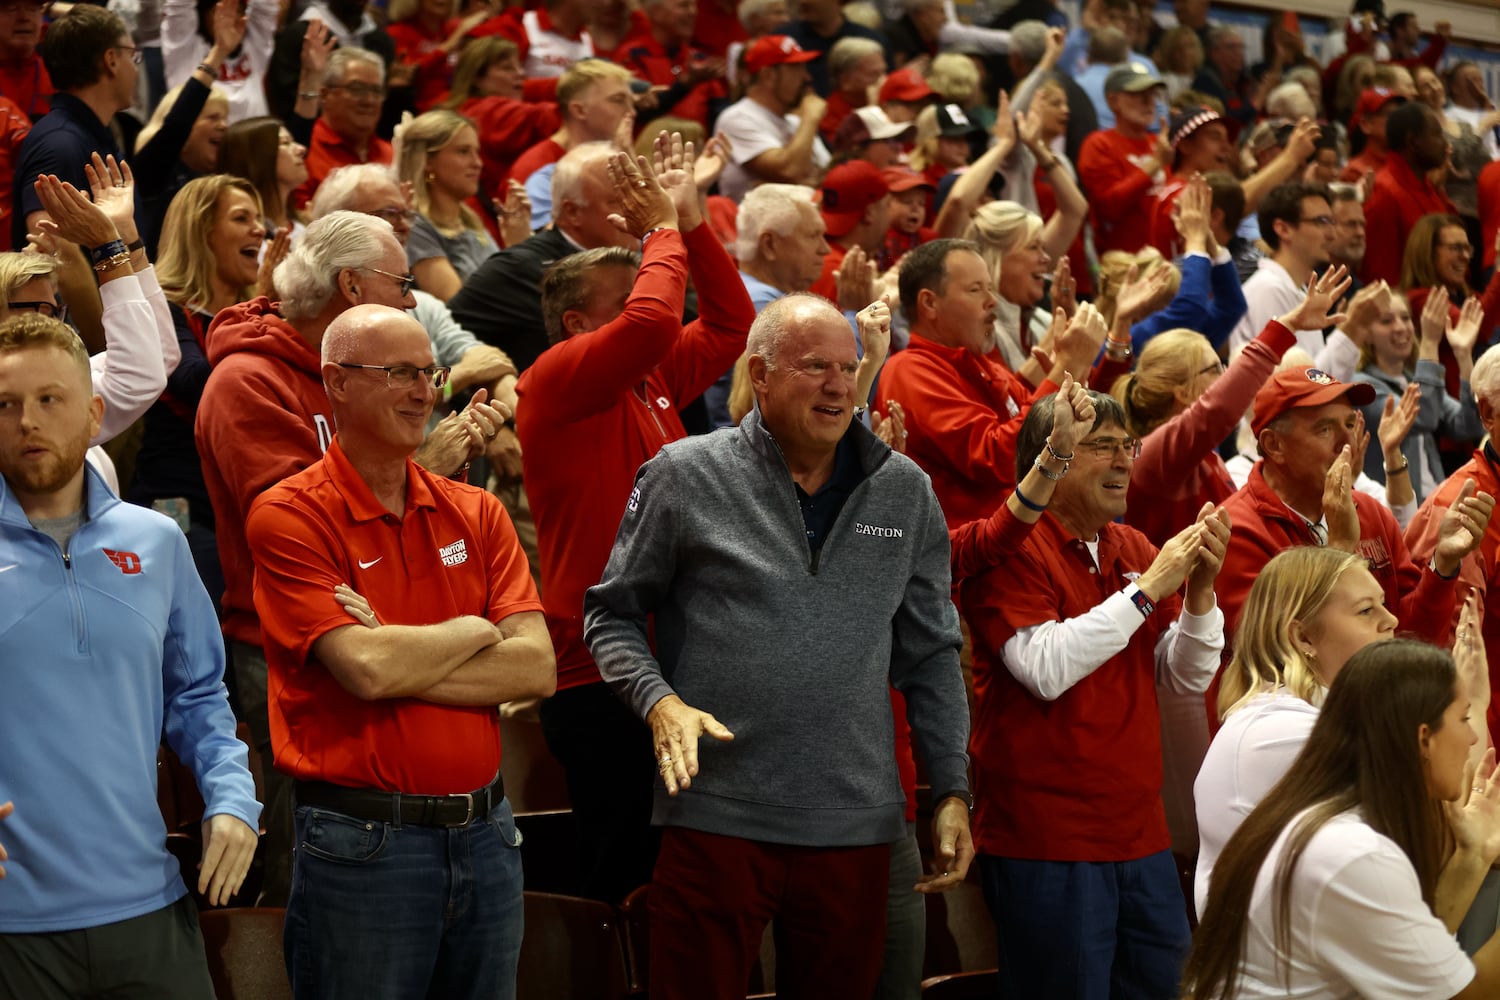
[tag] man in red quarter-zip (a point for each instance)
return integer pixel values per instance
(592, 408)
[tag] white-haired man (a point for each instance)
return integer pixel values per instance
(264, 416)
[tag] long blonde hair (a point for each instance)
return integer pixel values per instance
(1168, 362)
(1293, 587)
(186, 266)
(998, 228)
(424, 135)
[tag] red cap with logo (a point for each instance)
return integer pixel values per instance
(848, 192)
(1296, 387)
(775, 50)
(905, 85)
(1372, 102)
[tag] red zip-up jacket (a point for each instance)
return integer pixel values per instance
(595, 407)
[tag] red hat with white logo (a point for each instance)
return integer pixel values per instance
(1292, 388)
(775, 50)
(847, 194)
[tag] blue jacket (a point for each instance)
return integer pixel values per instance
(1209, 301)
(101, 650)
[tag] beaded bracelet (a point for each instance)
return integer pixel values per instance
(1054, 476)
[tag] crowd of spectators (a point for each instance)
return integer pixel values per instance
(816, 416)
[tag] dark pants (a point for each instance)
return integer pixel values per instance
(905, 923)
(249, 666)
(606, 752)
(156, 956)
(712, 897)
(1077, 930)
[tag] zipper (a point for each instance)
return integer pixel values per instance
(80, 624)
(815, 557)
(639, 392)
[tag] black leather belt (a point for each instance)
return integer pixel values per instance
(391, 807)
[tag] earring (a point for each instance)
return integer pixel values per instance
(431, 177)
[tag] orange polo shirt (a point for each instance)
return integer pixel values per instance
(452, 553)
(327, 151)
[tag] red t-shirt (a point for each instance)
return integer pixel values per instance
(1489, 210)
(718, 26)
(1122, 195)
(452, 553)
(1077, 778)
(328, 151)
(28, 85)
(417, 47)
(538, 156)
(14, 127)
(1399, 199)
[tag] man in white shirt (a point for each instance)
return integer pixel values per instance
(1297, 223)
(773, 129)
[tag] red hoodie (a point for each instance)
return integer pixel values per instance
(263, 416)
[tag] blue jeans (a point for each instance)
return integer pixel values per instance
(379, 910)
(1079, 930)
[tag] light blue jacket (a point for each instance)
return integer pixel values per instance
(102, 649)
(1439, 413)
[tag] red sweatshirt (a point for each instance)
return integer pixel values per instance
(263, 416)
(966, 412)
(595, 407)
(1121, 194)
(507, 128)
(1398, 200)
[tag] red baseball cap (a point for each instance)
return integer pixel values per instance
(848, 192)
(905, 85)
(775, 50)
(1291, 388)
(899, 179)
(1372, 102)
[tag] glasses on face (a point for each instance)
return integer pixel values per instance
(1326, 221)
(405, 280)
(42, 307)
(1105, 448)
(135, 54)
(1462, 249)
(360, 91)
(405, 216)
(405, 376)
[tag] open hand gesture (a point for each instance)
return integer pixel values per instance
(1312, 313)
(1435, 315)
(1396, 420)
(1462, 527)
(892, 427)
(673, 161)
(1139, 294)
(318, 44)
(70, 214)
(855, 280)
(1064, 288)
(113, 187)
(1463, 335)
(1338, 503)
(644, 206)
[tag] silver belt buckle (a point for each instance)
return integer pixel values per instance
(468, 797)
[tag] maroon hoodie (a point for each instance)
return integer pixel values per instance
(264, 416)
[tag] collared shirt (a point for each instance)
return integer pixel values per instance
(60, 144)
(821, 508)
(328, 151)
(451, 553)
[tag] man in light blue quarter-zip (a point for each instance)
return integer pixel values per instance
(107, 639)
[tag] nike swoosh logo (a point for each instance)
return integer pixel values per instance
(372, 562)
(7, 569)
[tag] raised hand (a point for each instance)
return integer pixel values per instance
(892, 428)
(1072, 416)
(1191, 214)
(1469, 655)
(1462, 527)
(71, 216)
(1304, 138)
(1368, 305)
(1463, 335)
(113, 187)
(1339, 512)
(875, 329)
(1064, 288)
(711, 162)
(514, 213)
(1170, 568)
(228, 31)
(1396, 420)
(1213, 541)
(1312, 313)
(1435, 315)
(1080, 342)
(644, 206)
(318, 44)
(855, 280)
(1139, 294)
(265, 283)
(1475, 817)
(673, 161)
(1005, 124)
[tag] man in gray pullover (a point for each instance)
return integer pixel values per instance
(795, 569)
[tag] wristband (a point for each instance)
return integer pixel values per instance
(1439, 572)
(1028, 503)
(121, 259)
(137, 245)
(1142, 602)
(106, 250)
(213, 74)
(1064, 459)
(308, 95)
(1116, 350)
(1054, 476)
(1404, 466)
(649, 232)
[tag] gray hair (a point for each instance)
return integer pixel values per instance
(774, 325)
(568, 284)
(343, 58)
(1290, 100)
(1038, 424)
(338, 189)
(1028, 41)
(749, 10)
(567, 178)
(848, 51)
(1485, 378)
(308, 278)
(1108, 46)
(770, 208)
(16, 269)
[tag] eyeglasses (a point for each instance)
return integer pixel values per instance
(405, 280)
(1103, 448)
(405, 376)
(361, 91)
(136, 55)
(1318, 220)
(1462, 249)
(1217, 368)
(42, 307)
(395, 215)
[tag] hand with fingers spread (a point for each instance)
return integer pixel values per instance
(228, 849)
(1475, 817)
(1396, 420)
(1462, 527)
(676, 729)
(673, 162)
(644, 206)
(1137, 298)
(514, 214)
(1339, 512)
(1004, 129)
(1463, 335)
(265, 283)
(1191, 213)
(1470, 659)
(1364, 311)
(228, 32)
(952, 847)
(318, 44)
(112, 186)
(1435, 316)
(1313, 312)
(710, 164)
(71, 216)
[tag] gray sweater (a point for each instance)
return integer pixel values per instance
(795, 653)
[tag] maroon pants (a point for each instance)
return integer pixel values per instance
(712, 897)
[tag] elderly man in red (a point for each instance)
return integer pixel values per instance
(1402, 192)
(344, 134)
(1299, 493)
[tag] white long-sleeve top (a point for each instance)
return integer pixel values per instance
(1051, 657)
(140, 350)
(243, 75)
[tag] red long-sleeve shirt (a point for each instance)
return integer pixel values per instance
(1121, 195)
(595, 407)
(1398, 200)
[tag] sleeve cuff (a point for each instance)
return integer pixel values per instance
(125, 288)
(1205, 627)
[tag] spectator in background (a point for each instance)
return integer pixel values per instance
(550, 38)
(904, 94)
(1404, 31)
(1098, 14)
(1107, 50)
(910, 192)
(773, 129)
(440, 160)
(593, 99)
(855, 203)
(1469, 103)
(1034, 54)
(1349, 234)
(428, 35)
(353, 89)
(1123, 168)
(1297, 223)
(663, 54)
(180, 142)
(189, 33)
(942, 146)
(855, 67)
(1367, 134)
(1403, 193)
(348, 25)
(24, 79)
(817, 27)
(719, 26)
(1223, 76)
(867, 134)
(264, 153)
(1179, 55)
(488, 90)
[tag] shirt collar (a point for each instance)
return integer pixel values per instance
(357, 493)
